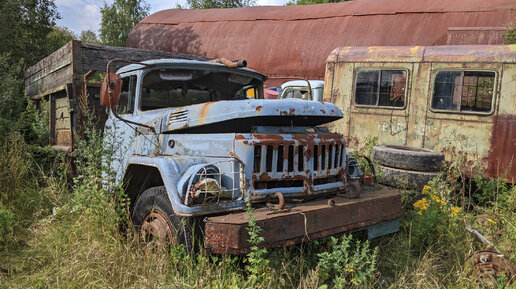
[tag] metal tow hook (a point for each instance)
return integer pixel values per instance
(281, 204)
(280, 207)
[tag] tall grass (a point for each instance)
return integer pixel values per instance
(56, 237)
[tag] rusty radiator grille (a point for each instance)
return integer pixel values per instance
(322, 157)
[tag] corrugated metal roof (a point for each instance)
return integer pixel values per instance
(296, 40)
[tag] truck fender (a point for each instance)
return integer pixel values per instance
(140, 174)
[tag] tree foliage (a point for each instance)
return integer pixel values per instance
(58, 37)
(310, 2)
(207, 4)
(89, 37)
(119, 19)
(25, 26)
(28, 34)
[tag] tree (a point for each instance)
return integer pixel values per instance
(119, 19)
(310, 2)
(89, 37)
(207, 4)
(25, 26)
(58, 37)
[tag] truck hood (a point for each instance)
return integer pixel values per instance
(239, 116)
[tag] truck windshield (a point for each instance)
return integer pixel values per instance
(164, 88)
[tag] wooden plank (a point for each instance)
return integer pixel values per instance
(49, 60)
(62, 113)
(52, 91)
(63, 123)
(67, 64)
(61, 102)
(96, 57)
(64, 137)
(77, 60)
(49, 82)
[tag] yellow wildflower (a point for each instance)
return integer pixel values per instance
(421, 204)
(426, 189)
(491, 221)
(420, 213)
(455, 210)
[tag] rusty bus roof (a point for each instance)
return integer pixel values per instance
(443, 53)
(294, 41)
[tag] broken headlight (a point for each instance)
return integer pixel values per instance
(212, 183)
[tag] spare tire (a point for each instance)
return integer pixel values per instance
(405, 179)
(408, 158)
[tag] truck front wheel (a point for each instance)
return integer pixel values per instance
(155, 220)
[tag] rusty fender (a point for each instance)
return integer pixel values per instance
(302, 222)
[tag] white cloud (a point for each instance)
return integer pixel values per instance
(79, 15)
(271, 2)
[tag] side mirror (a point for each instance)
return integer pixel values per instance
(110, 90)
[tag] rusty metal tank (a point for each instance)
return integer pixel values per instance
(295, 41)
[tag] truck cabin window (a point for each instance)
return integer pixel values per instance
(381, 88)
(463, 91)
(126, 104)
(180, 87)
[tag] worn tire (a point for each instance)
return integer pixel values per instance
(405, 179)
(153, 216)
(408, 158)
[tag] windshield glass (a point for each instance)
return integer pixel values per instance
(180, 87)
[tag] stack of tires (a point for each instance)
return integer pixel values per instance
(407, 167)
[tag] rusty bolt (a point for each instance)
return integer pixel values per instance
(171, 143)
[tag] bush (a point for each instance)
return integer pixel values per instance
(433, 215)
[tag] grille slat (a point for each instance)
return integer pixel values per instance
(287, 162)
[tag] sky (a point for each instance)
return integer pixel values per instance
(79, 15)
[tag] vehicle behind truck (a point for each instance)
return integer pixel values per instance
(457, 100)
(192, 146)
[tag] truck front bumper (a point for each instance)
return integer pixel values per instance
(302, 222)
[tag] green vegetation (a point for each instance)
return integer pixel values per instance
(209, 4)
(311, 2)
(118, 19)
(57, 235)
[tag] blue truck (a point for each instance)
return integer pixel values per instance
(196, 141)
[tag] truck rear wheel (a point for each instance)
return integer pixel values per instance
(155, 220)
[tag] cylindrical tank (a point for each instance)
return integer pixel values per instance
(294, 41)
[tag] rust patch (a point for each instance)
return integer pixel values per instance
(502, 155)
(203, 112)
(227, 234)
(259, 108)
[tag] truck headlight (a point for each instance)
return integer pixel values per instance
(211, 183)
(352, 170)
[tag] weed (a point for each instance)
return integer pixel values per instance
(348, 262)
(258, 263)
